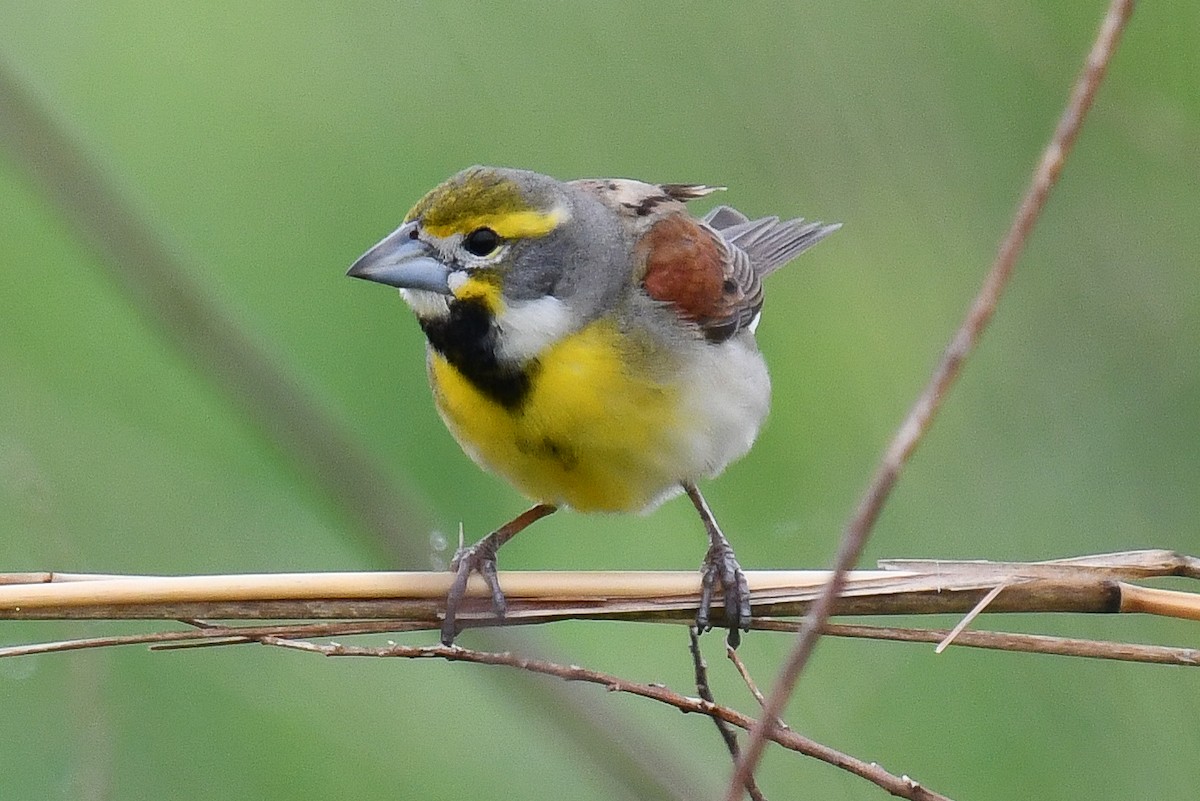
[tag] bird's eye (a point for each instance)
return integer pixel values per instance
(481, 242)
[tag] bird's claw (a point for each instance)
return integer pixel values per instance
(721, 565)
(479, 558)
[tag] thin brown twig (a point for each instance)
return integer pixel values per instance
(744, 672)
(919, 418)
(1015, 643)
(216, 635)
(704, 690)
(700, 670)
(899, 786)
(998, 641)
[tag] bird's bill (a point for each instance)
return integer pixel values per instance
(402, 261)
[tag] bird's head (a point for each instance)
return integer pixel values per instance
(539, 256)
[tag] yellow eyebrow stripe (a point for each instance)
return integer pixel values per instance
(509, 225)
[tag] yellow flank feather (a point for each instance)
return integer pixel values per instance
(591, 435)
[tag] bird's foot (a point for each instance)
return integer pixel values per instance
(720, 565)
(479, 558)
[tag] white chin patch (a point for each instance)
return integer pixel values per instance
(426, 305)
(455, 280)
(528, 327)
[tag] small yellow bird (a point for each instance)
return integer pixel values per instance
(593, 343)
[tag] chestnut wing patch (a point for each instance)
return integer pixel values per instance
(708, 281)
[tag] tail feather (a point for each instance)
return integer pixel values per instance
(769, 242)
(723, 217)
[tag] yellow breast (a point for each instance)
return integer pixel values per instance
(596, 432)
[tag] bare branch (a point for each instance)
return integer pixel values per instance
(700, 669)
(899, 786)
(1020, 643)
(961, 345)
(743, 671)
(999, 641)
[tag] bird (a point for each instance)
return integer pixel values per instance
(592, 342)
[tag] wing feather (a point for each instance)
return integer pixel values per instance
(709, 269)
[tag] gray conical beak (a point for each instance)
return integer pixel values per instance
(403, 261)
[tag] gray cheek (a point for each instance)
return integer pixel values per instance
(534, 270)
(587, 262)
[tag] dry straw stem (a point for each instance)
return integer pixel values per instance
(394, 602)
(1089, 584)
(921, 416)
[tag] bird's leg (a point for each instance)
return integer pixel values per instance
(720, 564)
(481, 558)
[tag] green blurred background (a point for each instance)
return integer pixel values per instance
(269, 144)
